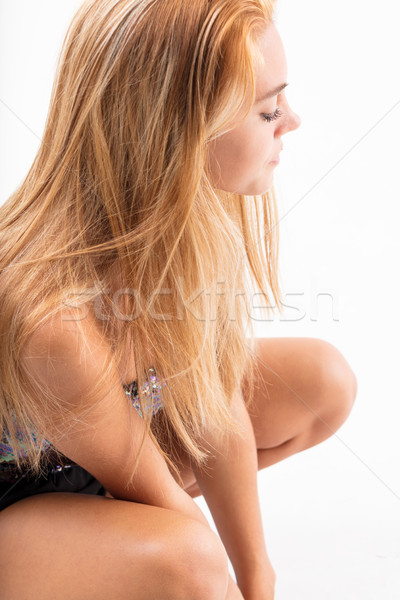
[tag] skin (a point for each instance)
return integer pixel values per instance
(305, 390)
(240, 159)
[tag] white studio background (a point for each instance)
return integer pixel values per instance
(331, 513)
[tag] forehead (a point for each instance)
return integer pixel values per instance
(270, 64)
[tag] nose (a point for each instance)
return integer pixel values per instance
(291, 122)
(296, 121)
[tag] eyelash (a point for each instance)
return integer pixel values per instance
(272, 116)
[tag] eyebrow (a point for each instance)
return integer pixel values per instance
(271, 93)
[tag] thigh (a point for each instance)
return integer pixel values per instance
(289, 394)
(304, 386)
(63, 545)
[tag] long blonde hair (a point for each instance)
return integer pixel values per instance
(120, 184)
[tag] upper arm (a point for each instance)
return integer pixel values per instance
(106, 440)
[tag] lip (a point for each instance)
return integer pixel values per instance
(276, 161)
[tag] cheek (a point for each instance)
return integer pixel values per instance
(240, 152)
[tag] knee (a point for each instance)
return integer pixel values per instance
(195, 564)
(337, 384)
(206, 574)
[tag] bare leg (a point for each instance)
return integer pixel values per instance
(305, 390)
(64, 546)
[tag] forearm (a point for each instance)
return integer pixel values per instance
(183, 504)
(230, 489)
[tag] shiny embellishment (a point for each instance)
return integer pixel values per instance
(59, 468)
(6, 453)
(151, 391)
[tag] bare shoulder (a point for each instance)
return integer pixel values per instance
(67, 355)
(102, 433)
(77, 390)
(68, 325)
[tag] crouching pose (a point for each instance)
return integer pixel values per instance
(131, 379)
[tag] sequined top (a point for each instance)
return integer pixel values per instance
(151, 391)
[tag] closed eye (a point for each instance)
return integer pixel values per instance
(272, 116)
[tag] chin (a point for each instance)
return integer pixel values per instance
(262, 186)
(255, 189)
(259, 190)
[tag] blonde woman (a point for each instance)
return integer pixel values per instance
(129, 382)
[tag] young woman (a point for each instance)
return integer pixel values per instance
(127, 255)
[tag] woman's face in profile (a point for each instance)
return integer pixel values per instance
(240, 159)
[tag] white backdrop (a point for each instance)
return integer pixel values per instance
(331, 513)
